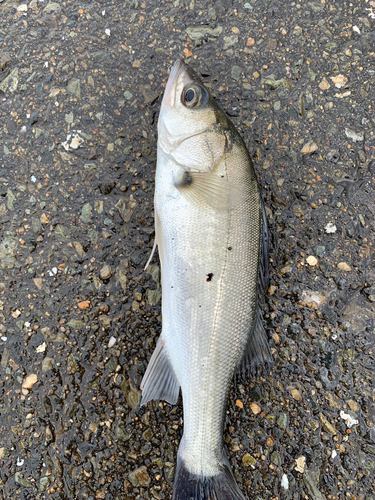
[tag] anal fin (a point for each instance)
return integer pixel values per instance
(159, 381)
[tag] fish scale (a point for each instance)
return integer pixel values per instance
(209, 226)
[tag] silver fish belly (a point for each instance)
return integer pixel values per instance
(212, 237)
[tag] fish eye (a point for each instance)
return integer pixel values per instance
(189, 95)
(194, 96)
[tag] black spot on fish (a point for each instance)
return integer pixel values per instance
(209, 277)
(186, 181)
(229, 248)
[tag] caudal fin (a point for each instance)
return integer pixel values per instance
(188, 486)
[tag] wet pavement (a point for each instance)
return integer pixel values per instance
(80, 92)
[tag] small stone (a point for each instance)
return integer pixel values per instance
(229, 41)
(344, 266)
(295, 393)
(105, 272)
(236, 73)
(354, 136)
(353, 405)
(111, 342)
(197, 32)
(276, 458)
(239, 403)
(282, 420)
(128, 95)
(339, 80)
(47, 364)
(312, 299)
(349, 419)
(140, 477)
(324, 85)
(327, 425)
(330, 228)
(29, 381)
(136, 63)
(309, 147)
(298, 211)
(86, 212)
(74, 87)
(250, 42)
(248, 460)
(105, 321)
(311, 483)
(272, 289)
(286, 269)
(285, 482)
(85, 304)
(300, 461)
(312, 261)
(255, 408)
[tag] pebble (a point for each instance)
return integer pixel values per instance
(309, 147)
(285, 482)
(349, 420)
(236, 72)
(344, 266)
(324, 84)
(85, 304)
(312, 261)
(327, 425)
(105, 272)
(29, 381)
(300, 464)
(111, 342)
(140, 477)
(229, 41)
(255, 408)
(330, 228)
(295, 393)
(249, 460)
(312, 299)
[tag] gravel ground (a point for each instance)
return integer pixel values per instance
(80, 91)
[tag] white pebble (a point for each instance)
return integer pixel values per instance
(285, 482)
(334, 454)
(349, 420)
(20, 461)
(108, 32)
(330, 228)
(357, 30)
(111, 342)
(4, 339)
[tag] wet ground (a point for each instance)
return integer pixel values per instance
(80, 91)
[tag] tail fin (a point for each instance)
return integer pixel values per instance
(189, 486)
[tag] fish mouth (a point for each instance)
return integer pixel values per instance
(178, 68)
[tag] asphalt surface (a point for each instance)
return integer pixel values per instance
(80, 91)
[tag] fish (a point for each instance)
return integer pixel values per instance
(213, 243)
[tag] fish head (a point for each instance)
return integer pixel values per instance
(191, 127)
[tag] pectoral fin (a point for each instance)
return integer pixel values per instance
(209, 188)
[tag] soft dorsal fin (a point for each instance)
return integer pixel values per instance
(257, 351)
(159, 381)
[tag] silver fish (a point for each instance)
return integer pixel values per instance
(212, 238)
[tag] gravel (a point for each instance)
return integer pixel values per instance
(80, 92)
